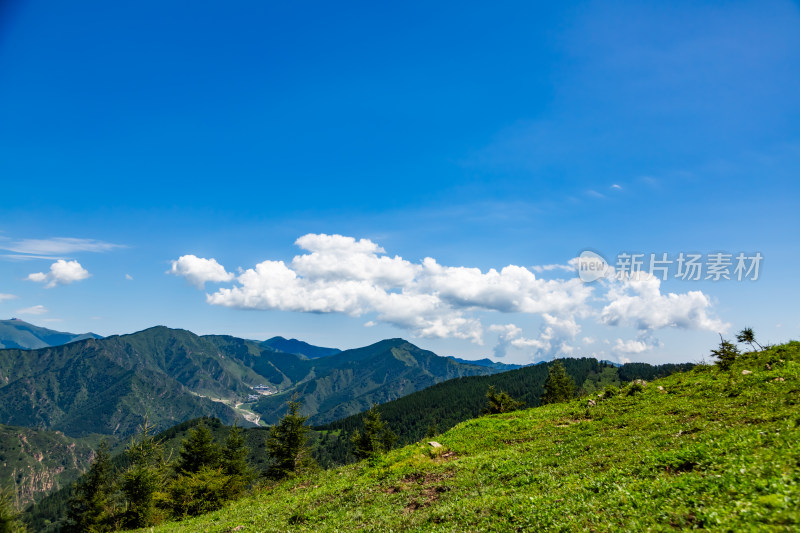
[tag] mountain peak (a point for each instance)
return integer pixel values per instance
(298, 347)
(17, 333)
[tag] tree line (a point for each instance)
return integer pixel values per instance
(203, 477)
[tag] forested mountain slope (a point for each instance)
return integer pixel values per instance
(352, 381)
(444, 405)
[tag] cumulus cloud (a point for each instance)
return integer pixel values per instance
(198, 271)
(507, 333)
(630, 346)
(637, 301)
(343, 275)
(61, 273)
(4, 296)
(556, 335)
(340, 274)
(35, 310)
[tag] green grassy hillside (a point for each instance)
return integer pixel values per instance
(444, 405)
(711, 449)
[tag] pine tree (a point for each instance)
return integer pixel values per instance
(501, 402)
(432, 430)
(287, 444)
(143, 478)
(726, 353)
(234, 461)
(558, 387)
(89, 507)
(375, 439)
(198, 450)
(203, 483)
(9, 517)
(747, 335)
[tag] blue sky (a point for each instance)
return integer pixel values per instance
(479, 136)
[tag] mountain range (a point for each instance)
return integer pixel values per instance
(352, 381)
(109, 385)
(57, 401)
(297, 347)
(16, 333)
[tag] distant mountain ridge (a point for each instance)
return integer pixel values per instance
(488, 363)
(16, 333)
(295, 346)
(108, 385)
(353, 380)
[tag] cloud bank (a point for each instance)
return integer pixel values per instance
(340, 274)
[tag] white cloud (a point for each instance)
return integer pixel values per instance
(506, 334)
(198, 271)
(548, 268)
(4, 296)
(59, 246)
(555, 337)
(339, 274)
(343, 275)
(630, 346)
(35, 310)
(616, 187)
(61, 273)
(637, 301)
(128, 277)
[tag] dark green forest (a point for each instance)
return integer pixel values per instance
(438, 408)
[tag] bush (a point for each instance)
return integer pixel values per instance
(610, 391)
(198, 493)
(501, 402)
(376, 438)
(635, 387)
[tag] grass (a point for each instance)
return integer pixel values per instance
(707, 449)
